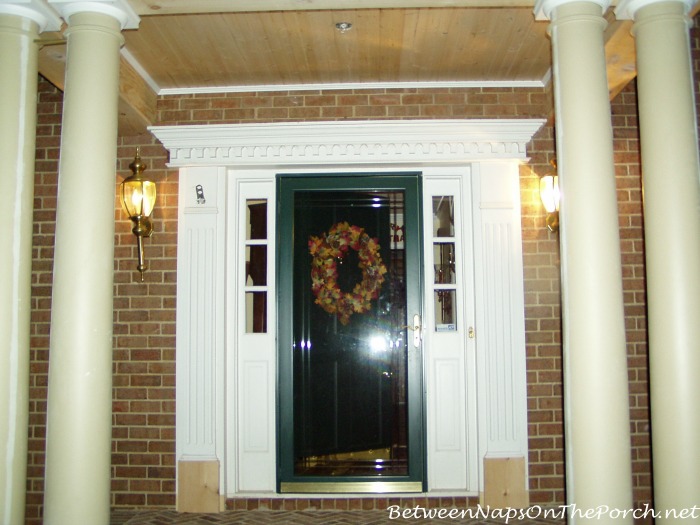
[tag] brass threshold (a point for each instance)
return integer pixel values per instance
(353, 487)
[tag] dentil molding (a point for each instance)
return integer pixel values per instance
(343, 142)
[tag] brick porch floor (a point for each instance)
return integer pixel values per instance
(299, 517)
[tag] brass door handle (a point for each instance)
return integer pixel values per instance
(416, 328)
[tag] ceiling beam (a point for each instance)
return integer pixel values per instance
(137, 101)
(620, 55)
(620, 51)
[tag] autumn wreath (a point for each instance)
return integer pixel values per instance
(327, 251)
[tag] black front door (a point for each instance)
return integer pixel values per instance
(350, 404)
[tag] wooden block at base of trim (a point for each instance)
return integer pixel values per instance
(505, 483)
(198, 486)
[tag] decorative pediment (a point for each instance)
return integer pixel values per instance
(347, 142)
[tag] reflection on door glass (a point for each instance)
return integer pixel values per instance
(350, 354)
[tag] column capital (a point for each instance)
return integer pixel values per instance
(544, 8)
(119, 9)
(626, 9)
(36, 10)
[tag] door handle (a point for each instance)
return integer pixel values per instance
(416, 331)
(416, 328)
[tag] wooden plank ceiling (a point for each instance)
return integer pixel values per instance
(182, 44)
(305, 47)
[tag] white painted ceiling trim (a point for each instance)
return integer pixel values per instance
(395, 142)
(359, 85)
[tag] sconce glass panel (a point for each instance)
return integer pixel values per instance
(549, 193)
(138, 197)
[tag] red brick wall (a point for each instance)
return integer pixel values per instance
(353, 104)
(46, 168)
(143, 469)
(629, 197)
(542, 330)
(144, 314)
(143, 447)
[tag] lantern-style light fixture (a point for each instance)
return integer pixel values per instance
(549, 194)
(138, 197)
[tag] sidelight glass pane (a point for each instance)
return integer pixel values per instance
(445, 311)
(350, 352)
(256, 265)
(443, 216)
(444, 262)
(256, 219)
(256, 312)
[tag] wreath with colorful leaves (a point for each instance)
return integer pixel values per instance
(327, 251)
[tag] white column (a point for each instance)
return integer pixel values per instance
(596, 397)
(671, 178)
(20, 25)
(79, 425)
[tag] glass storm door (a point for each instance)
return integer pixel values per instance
(350, 404)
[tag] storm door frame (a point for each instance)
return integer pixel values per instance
(287, 185)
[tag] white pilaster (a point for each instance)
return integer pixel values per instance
(671, 177)
(596, 398)
(20, 24)
(79, 424)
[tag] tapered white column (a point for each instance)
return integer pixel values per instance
(671, 178)
(20, 25)
(79, 426)
(596, 397)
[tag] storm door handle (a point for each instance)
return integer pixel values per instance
(416, 328)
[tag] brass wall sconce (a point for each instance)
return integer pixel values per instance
(138, 197)
(549, 194)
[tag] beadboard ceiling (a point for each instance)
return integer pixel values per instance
(184, 46)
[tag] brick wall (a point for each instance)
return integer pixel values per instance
(143, 469)
(144, 313)
(352, 104)
(629, 197)
(542, 330)
(143, 447)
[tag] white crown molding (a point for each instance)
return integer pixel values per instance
(402, 142)
(145, 75)
(36, 10)
(353, 85)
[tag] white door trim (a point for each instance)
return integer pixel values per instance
(217, 156)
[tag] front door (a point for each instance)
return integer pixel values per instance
(349, 336)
